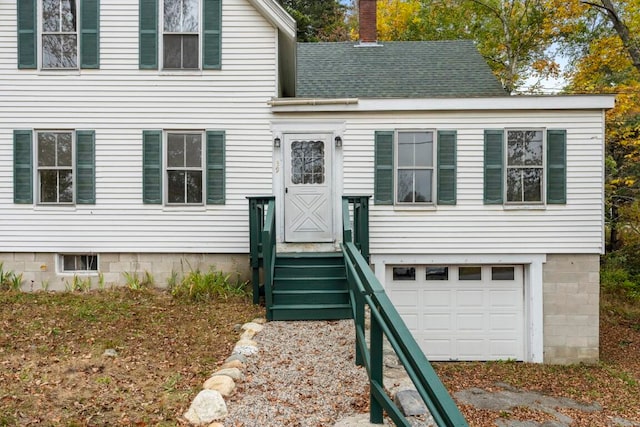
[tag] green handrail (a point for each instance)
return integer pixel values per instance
(257, 214)
(269, 253)
(365, 290)
(358, 233)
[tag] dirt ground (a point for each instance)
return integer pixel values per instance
(53, 370)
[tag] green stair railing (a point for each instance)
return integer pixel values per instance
(358, 232)
(258, 208)
(366, 291)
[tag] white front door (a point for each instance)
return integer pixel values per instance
(308, 188)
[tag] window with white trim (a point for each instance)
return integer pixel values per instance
(181, 35)
(59, 34)
(525, 166)
(55, 160)
(78, 263)
(185, 168)
(415, 153)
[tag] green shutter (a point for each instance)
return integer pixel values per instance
(556, 166)
(27, 34)
(148, 43)
(215, 167)
(493, 159)
(383, 179)
(211, 37)
(90, 34)
(447, 167)
(85, 167)
(152, 166)
(22, 166)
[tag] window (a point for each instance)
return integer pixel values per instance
(59, 34)
(502, 273)
(415, 167)
(66, 32)
(55, 167)
(184, 168)
(79, 263)
(525, 170)
(184, 34)
(404, 273)
(180, 35)
(470, 273)
(525, 166)
(64, 162)
(307, 162)
(437, 273)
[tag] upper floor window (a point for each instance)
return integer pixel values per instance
(180, 34)
(525, 167)
(415, 167)
(59, 34)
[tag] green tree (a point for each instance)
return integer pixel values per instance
(514, 36)
(324, 20)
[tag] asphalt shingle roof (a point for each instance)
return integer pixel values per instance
(419, 69)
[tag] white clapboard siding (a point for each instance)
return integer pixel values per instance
(118, 101)
(471, 227)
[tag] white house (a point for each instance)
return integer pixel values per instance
(131, 134)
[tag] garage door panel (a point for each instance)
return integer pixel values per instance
(470, 322)
(505, 298)
(470, 298)
(437, 322)
(463, 320)
(412, 321)
(439, 349)
(436, 298)
(509, 322)
(470, 349)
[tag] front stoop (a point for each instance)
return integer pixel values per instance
(310, 286)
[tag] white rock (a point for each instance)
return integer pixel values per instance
(246, 347)
(259, 320)
(207, 407)
(220, 383)
(248, 334)
(232, 364)
(233, 373)
(251, 326)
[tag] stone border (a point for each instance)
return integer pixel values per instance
(209, 405)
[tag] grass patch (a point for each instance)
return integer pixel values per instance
(208, 286)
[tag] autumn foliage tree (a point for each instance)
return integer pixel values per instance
(600, 38)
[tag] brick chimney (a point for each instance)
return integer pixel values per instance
(367, 21)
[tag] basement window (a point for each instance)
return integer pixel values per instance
(78, 263)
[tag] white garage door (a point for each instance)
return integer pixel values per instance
(461, 312)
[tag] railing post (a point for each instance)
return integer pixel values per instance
(375, 349)
(257, 213)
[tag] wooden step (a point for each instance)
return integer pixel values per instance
(305, 297)
(311, 312)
